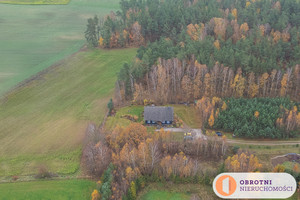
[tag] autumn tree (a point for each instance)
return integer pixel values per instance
(217, 44)
(195, 31)
(238, 85)
(284, 82)
(256, 114)
(132, 134)
(95, 157)
(279, 168)
(136, 35)
(234, 13)
(95, 195)
(244, 29)
(132, 191)
(243, 162)
(220, 27)
(211, 120)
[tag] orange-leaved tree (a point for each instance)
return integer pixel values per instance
(95, 195)
(243, 162)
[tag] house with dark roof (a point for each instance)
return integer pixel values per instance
(158, 114)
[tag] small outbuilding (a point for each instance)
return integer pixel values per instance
(158, 114)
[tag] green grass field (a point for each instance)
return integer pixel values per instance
(33, 37)
(36, 2)
(40, 190)
(186, 113)
(44, 122)
(118, 118)
(189, 115)
(171, 191)
(164, 195)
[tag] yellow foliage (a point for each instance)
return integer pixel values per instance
(248, 3)
(220, 27)
(95, 195)
(243, 162)
(285, 37)
(244, 28)
(283, 85)
(234, 13)
(211, 120)
(279, 122)
(224, 106)
(125, 33)
(298, 119)
(295, 108)
(101, 41)
(195, 31)
(279, 168)
(253, 90)
(238, 85)
(296, 168)
(217, 44)
(276, 36)
(256, 114)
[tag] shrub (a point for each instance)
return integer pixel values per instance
(43, 172)
(95, 195)
(14, 178)
(235, 149)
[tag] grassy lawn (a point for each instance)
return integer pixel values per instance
(36, 2)
(33, 37)
(119, 119)
(170, 191)
(39, 190)
(189, 115)
(164, 195)
(44, 122)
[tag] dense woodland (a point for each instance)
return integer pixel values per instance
(215, 48)
(253, 35)
(237, 61)
(196, 49)
(129, 157)
(251, 118)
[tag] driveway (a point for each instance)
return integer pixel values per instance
(197, 133)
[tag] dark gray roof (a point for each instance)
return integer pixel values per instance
(158, 113)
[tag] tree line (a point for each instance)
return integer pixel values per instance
(129, 156)
(175, 81)
(137, 157)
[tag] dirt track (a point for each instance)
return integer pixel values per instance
(238, 141)
(266, 143)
